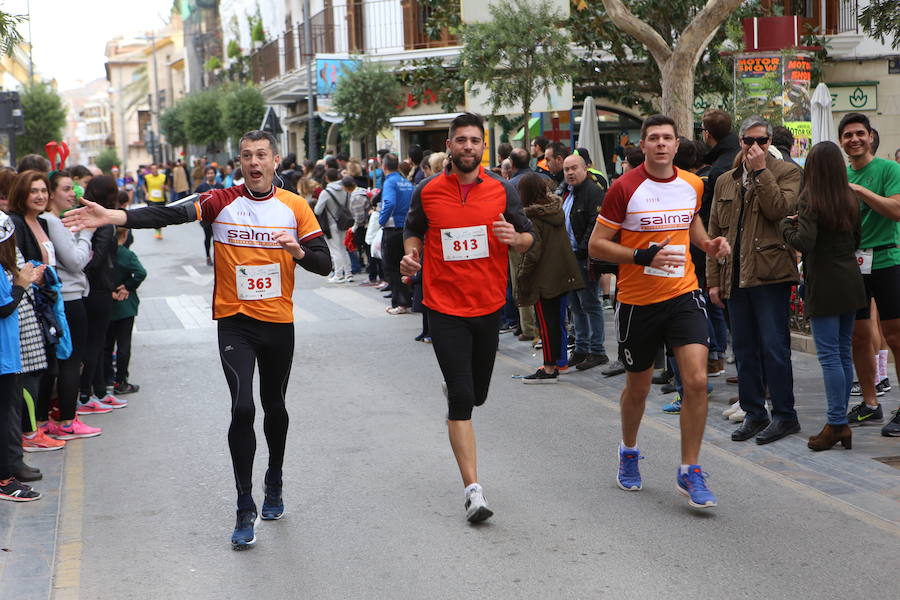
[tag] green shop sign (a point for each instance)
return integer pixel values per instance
(854, 96)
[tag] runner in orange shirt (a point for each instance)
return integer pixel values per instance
(260, 233)
(648, 219)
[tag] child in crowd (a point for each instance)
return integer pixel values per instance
(130, 273)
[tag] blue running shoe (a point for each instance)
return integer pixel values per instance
(693, 485)
(674, 407)
(629, 477)
(273, 505)
(244, 536)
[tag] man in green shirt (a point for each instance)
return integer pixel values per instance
(876, 182)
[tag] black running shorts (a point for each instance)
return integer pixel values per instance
(641, 330)
(884, 286)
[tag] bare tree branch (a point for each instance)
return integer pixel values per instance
(630, 24)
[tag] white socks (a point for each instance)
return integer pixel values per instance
(471, 488)
(882, 359)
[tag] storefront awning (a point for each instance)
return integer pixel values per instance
(534, 130)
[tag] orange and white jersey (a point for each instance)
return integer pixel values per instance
(646, 211)
(254, 275)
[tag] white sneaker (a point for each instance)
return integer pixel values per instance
(476, 507)
(733, 408)
(348, 279)
(737, 416)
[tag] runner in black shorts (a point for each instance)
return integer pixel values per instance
(462, 221)
(648, 220)
(876, 182)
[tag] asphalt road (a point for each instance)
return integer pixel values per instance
(373, 498)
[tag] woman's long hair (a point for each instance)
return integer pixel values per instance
(533, 189)
(826, 188)
(21, 190)
(8, 255)
(103, 190)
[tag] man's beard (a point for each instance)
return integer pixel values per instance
(456, 160)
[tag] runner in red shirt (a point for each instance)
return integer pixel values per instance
(465, 219)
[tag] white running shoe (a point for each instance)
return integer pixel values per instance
(737, 416)
(476, 507)
(733, 408)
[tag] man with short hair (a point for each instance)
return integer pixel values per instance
(581, 205)
(518, 159)
(783, 140)
(538, 147)
(460, 227)
(648, 219)
(261, 233)
(554, 155)
(749, 203)
(876, 182)
(395, 198)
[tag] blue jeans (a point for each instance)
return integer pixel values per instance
(832, 335)
(587, 316)
(718, 330)
(762, 349)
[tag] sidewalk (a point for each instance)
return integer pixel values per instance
(860, 477)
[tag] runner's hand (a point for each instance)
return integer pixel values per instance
(715, 296)
(718, 247)
(290, 244)
(504, 230)
(410, 264)
(668, 259)
(89, 216)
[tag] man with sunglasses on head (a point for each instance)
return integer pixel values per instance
(748, 204)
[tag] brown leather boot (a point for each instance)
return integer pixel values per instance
(831, 435)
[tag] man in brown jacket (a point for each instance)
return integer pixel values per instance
(747, 206)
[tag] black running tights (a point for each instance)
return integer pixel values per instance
(244, 343)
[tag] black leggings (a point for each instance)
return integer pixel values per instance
(69, 372)
(9, 398)
(207, 236)
(243, 343)
(97, 304)
(465, 348)
(118, 340)
(392, 251)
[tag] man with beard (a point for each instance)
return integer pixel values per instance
(460, 227)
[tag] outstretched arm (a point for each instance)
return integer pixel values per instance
(92, 215)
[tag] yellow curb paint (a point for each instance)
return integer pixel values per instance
(67, 576)
(811, 492)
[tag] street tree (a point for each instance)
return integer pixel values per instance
(367, 97)
(881, 20)
(9, 32)
(203, 119)
(171, 122)
(45, 118)
(676, 53)
(243, 109)
(520, 55)
(107, 159)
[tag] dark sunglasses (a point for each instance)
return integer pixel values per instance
(749, 141)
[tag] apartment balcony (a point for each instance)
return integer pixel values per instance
(839, 16)
(390, 30)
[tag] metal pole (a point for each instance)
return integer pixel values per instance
(154, 107)
(312, 145)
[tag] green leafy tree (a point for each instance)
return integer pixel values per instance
(662, 51)
(106, 159)
(45, 118)
(171, 121)
(243, 109)
(881, 20)
(367, 98)
(427, 76)
(521, 54)
(9, 32)
(203, 119)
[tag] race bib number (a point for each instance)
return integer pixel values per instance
(156, 193)
(465, 243)
(864, 260)
(675, 272)
(258, 282)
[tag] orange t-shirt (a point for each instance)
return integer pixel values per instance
(254, 275)
(646, 211)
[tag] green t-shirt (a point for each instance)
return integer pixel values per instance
(882, 177)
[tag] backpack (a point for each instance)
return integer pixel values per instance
(344, 219)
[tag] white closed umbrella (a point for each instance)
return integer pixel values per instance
(823, 129)
(589, 135)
